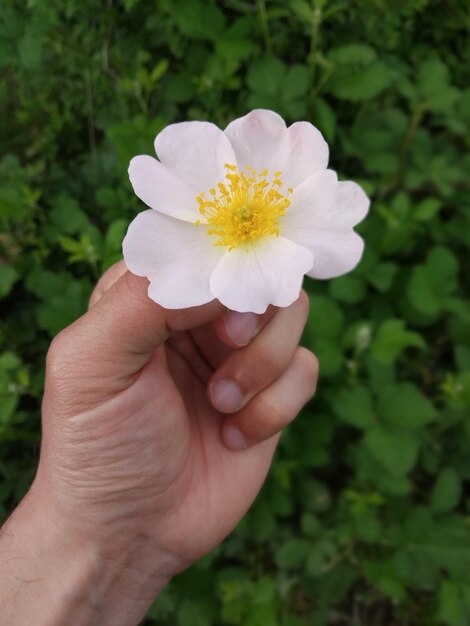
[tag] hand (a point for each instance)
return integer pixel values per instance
(159, 426)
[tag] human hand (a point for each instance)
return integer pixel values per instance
(137, 456)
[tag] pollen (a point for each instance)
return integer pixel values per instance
(244, 208)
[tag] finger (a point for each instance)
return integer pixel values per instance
(231, 330)
(275, 407)
(111, 276)
(238, 329)
(249, 370)
(119, 334)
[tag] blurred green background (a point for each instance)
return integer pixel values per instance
(365, 517)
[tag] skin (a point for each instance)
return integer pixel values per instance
(146, 462)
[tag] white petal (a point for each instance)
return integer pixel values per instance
(196, 152)
(177, 257)
(269, 272)
(262, 141)
(353, 204)
(336, 252)
(161, 190)
(259, 140)
(323, 202)
(307, 153)
(312, 205)
(321, 217)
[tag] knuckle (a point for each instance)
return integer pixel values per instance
(57, 359)
(309, 363)
(254, 373)
(267, 420)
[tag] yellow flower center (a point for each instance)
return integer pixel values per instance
(245, 208)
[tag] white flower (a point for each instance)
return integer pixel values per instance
(241, 214)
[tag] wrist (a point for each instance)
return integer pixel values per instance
(51, 576)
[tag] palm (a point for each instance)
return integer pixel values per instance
(200, 486)
(165, 461)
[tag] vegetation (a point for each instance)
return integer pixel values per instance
(365, 517)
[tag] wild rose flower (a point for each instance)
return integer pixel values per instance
(241, 214)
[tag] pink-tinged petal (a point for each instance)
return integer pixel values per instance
(323, 202)
(259, 140)
(335, 252)
(269, 272)
(196, 152)
(353, 204)
(307, 152)
(161, 190)
(312, 204)
(321, 218)
(262, 141)
(177, 257)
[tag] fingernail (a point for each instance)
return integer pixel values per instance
(226, 396)
(233, 438)
(241, 327)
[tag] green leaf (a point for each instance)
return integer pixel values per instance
(362, 84)
(326, 318)
(446, 491)
(353, 55)
(404, 405)
(395, 449)
(266, 75)
(354, 406)
(198, 20)
(427, 209)
(296, 82)
(392, 338)
(453, 607)
(293, 553)
(30, 49)
(381, 275)
(349, 289)
(8, 277)
(434, 87)
(67, 215)
(433, 282)
(324, 118)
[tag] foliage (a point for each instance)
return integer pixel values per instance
(364, 519)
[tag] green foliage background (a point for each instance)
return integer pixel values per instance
(365, 517)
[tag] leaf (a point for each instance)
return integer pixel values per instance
(266, 75)
(362, 84)
(392, 338)
(198, 20)
(8, 277)
(354, 406)
(30, 48)
(395, 449)
(349, 289)
(381, 276)
(453, 610)
(431, 283)
(446, 491)
(326, 318)
(434, 86)
(404, 405)
(353, 55)
(427, 209)
(324, 118)
(296, 82)
(293, 553)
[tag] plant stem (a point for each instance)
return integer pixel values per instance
(261, 5)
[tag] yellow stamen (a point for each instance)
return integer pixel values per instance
(245, 208)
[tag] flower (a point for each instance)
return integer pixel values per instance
(241, 214)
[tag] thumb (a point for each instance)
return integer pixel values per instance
(119, 334)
